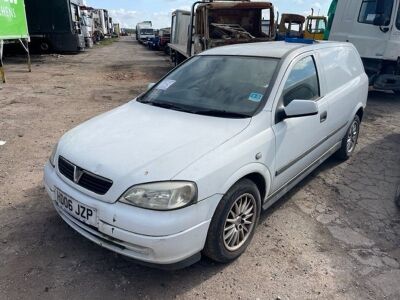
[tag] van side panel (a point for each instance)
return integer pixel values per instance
(346, 85)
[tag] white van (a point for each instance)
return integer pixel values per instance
(187, 167)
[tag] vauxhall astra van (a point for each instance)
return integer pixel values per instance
(187, 167)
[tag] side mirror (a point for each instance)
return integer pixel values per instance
(301, 108)
(150, 85)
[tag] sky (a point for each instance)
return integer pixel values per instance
(129, 12)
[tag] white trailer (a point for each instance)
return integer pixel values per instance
(144, 31)
(373, 26)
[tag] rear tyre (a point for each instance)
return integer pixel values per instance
(350, 140)
(233, 225)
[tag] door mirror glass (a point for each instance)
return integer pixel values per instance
(150, 85)
(301, 108)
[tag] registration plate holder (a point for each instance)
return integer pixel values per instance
(76, 209)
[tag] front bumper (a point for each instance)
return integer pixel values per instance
(183, 240)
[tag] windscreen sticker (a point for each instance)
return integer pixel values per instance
(165, 85)
(256, 97)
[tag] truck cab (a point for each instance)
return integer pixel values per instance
(144, 32)
(373, 26)
(315, 27)
(291, 25)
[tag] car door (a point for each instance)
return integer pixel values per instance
(299, 141)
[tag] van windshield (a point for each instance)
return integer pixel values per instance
(225, 86)
(398, 18)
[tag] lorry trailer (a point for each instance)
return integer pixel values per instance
(55, 25)
(212, 24)
(373, 26)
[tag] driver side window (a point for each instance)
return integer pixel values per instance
(302, 83)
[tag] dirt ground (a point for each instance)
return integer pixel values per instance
(335, 236)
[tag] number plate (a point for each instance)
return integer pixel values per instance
(83, 213)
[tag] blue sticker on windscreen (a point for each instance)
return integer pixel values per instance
(256, 97)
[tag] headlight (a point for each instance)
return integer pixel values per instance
(52, 158)
(168, 195)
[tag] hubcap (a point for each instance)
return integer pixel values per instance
(352, 137)
(239, 222)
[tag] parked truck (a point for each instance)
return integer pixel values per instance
(373, 26)
(101, 24)
(55, 25)
(87, 25)
(216, 23)
(144, 32)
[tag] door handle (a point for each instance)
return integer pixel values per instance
(323, 117)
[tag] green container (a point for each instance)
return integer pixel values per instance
(13, 23)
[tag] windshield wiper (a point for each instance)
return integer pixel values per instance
(222, 113)
(167, 105)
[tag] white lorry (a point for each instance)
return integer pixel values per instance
(144, 31)
(373, 26)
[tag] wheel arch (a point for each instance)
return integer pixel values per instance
(256, 172)
(360, 113)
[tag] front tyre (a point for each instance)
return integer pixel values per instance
(350, 140)
(234, 222)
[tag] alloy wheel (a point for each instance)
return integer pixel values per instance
(240, 222)
(352, 136)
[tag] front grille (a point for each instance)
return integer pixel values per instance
(88, 180)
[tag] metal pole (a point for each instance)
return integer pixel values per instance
(2, 73)
(26, 47)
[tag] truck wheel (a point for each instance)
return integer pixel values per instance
(44, 46)
(350, 140)
(397, 92)
(234, 222)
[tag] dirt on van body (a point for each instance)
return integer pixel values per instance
(335, 236)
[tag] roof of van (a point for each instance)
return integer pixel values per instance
(266, 49)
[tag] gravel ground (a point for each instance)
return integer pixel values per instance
(335, 236)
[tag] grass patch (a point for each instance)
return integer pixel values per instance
(107, 42)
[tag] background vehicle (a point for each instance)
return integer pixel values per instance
(116, 29)
(55, 25)
(218, 23)
(161, 40)
(373, 26)
(144, 31)
(291, 25)
(87, 26)
(315, 27)
(101, 24)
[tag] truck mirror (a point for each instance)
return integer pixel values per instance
(380, 20)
